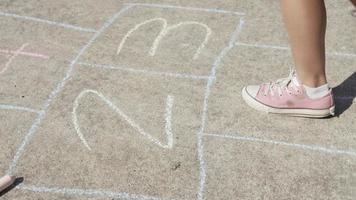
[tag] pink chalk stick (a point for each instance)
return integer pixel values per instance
(6, 181)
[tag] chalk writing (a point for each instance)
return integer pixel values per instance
(164, 31)
(118, 111)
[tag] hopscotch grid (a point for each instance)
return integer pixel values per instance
(282, 143)
(60, 86)
(42, 113)
(209, 85)
(146, 72)
(57, 90)
(186, 8)
(211, 78)
(201, 134)
(45, 21)
(285, 48)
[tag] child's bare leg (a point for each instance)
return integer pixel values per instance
(306, 24)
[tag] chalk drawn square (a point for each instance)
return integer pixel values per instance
(228, 113)
(163, 40)
(141, 132)
(34, 58)
(11, 133)
(269, 171)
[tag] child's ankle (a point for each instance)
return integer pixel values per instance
(317, 92)
(315, 82)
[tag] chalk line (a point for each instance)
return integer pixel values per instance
(16, 53)
(262, 46)
(294, 145)
(187, 8)
(23, 53)
(209, 85)
(53, 23)
(146, 72)
(266, 46)
(168, 118)
(132, 123)
(164, 31)
(13, 107)
(334, 53)
(58, 89)
(86, 192)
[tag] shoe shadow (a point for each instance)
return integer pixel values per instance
(17, 182)
(344, 94)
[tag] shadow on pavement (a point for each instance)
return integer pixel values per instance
(344, 94)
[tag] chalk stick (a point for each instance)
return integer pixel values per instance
(6, 181)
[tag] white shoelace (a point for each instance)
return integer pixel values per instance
(282, 84)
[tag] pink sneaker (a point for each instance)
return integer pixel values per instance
(288, 96)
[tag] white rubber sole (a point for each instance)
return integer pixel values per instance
(309, 113)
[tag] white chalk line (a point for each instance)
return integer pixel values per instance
(164, 31)
(209, 85)
(23, 53)
(168, 120)
(57, 90)
(334, 53)
(86, 192)
(16, 53)
(187, 8)
(13, 107)
(132, 123)
(146, 72)
(53, 23)
(266, 46)
(293, 145)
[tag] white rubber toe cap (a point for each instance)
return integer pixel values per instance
(252, 90)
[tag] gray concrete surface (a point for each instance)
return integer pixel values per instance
(79, 121)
